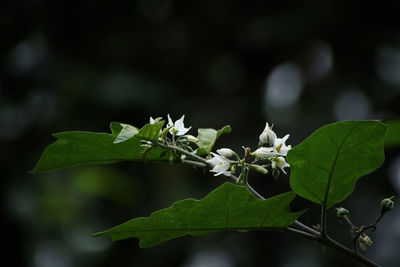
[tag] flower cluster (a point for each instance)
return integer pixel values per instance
(271, 149)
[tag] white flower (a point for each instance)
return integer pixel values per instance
(220, 163)
(178, 128)
(280, 146)
(265, 152)
(279, 162)
(267, 136)
(226, 152)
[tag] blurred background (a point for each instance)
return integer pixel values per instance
(78, 65)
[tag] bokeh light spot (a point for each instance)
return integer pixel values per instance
(352, 104)
(283, 86)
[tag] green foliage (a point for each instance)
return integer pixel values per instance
(392, 138)
(207, 138)
(82, 148)
(126, 131)
(325, 166)
(324, 169)
(150, 132)
(229, 207)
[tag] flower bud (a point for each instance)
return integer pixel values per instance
(259, 168)
(191, 138)
(226, 152)
(341, 212)
(387, 204)
(267, 136)
(264, 152)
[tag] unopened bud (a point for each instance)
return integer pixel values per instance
(259, 168)
(387, 204)
(226, 152)
(341, 212)
(191, 138)
(267, 137)
(264, 152)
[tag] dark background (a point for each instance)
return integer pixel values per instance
(78, 65)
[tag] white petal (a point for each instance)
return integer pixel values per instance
(179, 123)
(285, 138)
(170, 122)
(182, 131)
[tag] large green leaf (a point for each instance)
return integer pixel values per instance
(207, 138)
(392, 138)
(81, 148)
(325, 166)
(229, 207)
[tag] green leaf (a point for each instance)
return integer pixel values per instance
(325, 167)
(126, 132)
(207, 138)
(82, 148)
(151, 132)
(229, 207)
(392, 138)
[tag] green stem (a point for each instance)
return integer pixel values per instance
(380, 217)
(352, 231)
(326, 241)
(186, 153)
(348, 221)
(323, 221)
(339, 247)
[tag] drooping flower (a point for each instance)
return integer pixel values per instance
(279, 162)
(267, 136)
(364, 242)
(226, 152)
(220, 164)
(177, 128)
(280, 146)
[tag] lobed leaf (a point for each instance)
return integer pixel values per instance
(229, 207)
(325, 166)
(207, 138)
(82, 148)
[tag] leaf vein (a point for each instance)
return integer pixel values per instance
(339, 148)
